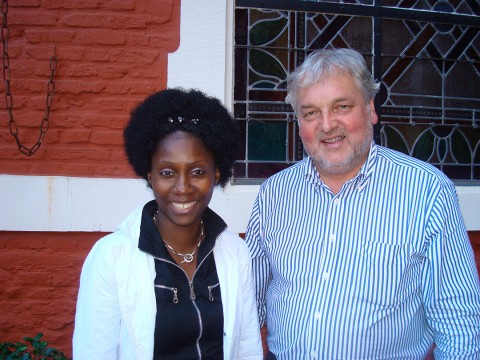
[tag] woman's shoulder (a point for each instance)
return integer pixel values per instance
(232, 244)
(231, 238)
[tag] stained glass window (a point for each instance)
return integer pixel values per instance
(425, 53)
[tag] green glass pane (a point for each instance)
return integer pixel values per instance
(460, 148)
(266, 140)
(266, 64)
(442, 149)
(264, 85)
(265, 31)
(423, 149)
(394, 140)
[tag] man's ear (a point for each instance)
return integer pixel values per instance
(373, 113)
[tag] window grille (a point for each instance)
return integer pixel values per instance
(426, 54)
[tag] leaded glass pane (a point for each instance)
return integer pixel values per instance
(428, 65)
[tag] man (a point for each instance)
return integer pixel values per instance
(359, 252)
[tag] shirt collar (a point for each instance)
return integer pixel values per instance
(361, 179)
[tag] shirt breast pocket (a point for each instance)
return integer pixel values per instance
(385, 255)
(390, 273)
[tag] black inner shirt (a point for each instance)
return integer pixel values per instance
(189, 319)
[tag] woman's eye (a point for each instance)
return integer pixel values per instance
(198, 172)
(166, 173)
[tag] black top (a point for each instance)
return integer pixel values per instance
(189, 320)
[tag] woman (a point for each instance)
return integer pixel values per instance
(172, 282)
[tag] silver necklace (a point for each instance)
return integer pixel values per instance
(188, 258)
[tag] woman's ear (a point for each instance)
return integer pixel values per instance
(217, 175)
(149, 179)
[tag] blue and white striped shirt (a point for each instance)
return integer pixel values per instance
(380, 270)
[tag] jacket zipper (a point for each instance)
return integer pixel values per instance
(210, 288)
(175, 292)
(193, 297)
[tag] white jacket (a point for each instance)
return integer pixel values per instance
(116, 303)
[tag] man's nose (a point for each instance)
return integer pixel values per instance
(327, 121)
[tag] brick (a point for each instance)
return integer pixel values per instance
(25, 3)
(134, 22)
(52, 137)
(113, 104)
(35, 36)
(90, 4)
(25, 18)
(142, 39)
(166, 10)
(42, 54)
(166, 40)
(72, 4)
(111, 137)
(61, 36)
(77, 87)
(105, 37)
(72, 153)
(84, 20)
(76, 136)
(119, 4)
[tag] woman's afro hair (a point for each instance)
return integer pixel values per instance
(176, 109)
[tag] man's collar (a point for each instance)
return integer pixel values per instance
(311, 173)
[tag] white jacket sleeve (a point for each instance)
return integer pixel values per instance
(250, 345)
(97, 318)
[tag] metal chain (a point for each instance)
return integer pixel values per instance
(12, 124)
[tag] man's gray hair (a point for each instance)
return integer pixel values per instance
(321, 64)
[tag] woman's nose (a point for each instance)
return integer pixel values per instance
(182, 184)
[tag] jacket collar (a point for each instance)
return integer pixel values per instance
(150, 241)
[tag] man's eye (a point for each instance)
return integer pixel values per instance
(309, 114)
(342, 107)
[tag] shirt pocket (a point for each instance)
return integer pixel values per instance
(386, 255)
(389, 274)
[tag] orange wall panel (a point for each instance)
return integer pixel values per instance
(39, 277)
(111, 55)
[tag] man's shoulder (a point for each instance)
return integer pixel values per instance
(402, 162)
(289, 174)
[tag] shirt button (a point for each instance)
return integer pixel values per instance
(336, 202)
(332, 238)
(318, 316)
(314, 355)
(326, 276)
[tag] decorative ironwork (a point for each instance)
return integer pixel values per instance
(426, 54)
(12, 124)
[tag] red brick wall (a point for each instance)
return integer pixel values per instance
(111, 54)
(39, 274)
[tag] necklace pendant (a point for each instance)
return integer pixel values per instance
(188, 258)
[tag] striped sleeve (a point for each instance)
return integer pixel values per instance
(260, 264)
(451, 290)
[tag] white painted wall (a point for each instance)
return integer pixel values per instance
(44, 203)
(203, 61)
(55, 203)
